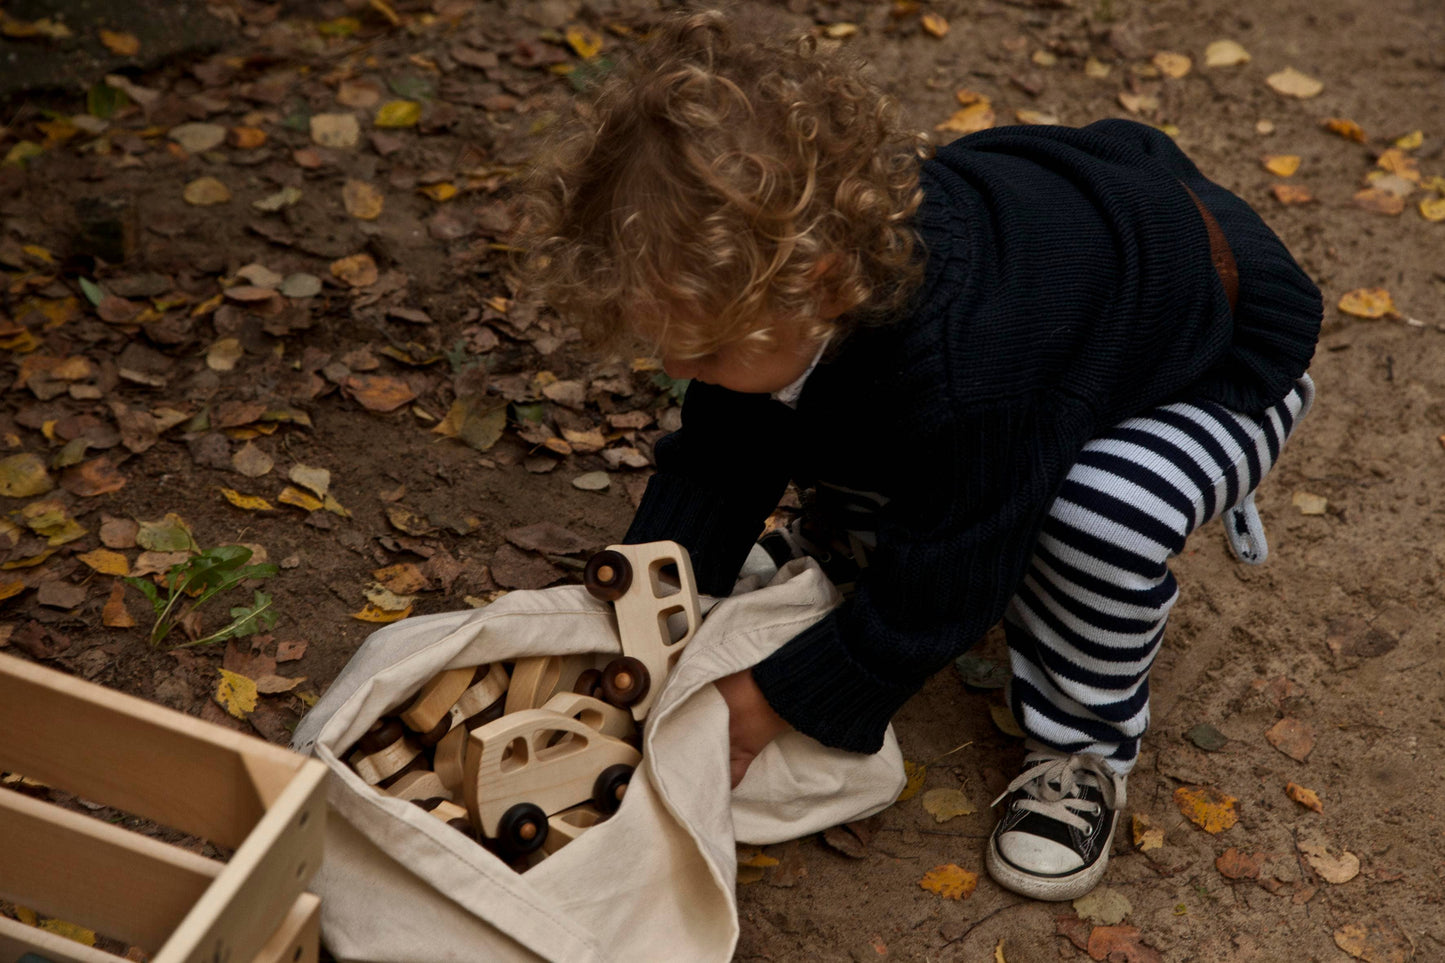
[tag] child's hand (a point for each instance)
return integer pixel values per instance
(752, 723)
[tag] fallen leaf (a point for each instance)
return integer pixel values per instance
(272, 203)
(1292, 737)
(155, 563)
(246, 138)
(974, 117)
(318, 480)
(335, 130)
(106, 562)
(1291, 193)
(584, 41)
(1103, 906)
(251, 461)
(236, 693)
(915, 773)
(379, 392)
(1396, 161)
(1147, 836)
(122, 45)
(1206, 807)
(198, 138)
(273, 684)
(387, 600)
(1138, 103)
(357, 270)
(592, 481)
(1207, 737)
(1281, 165)
(1433, 209)
(69, 931)
(1309, 504)
(296, 497)
(840, 839)
(1225, 53)
(362, 201)
(300, 285)
(1121, 944)
(477, 421)
(1307, 798)
(56, 594)
(403, 578)
(10, 589)
(1173, 65)
(1347, 129)
(443, 191)
(950, 881)
(224, 354)
(1004, 719)
(1232, 864)
(1026, 116)
(934, 25)
(945, 804)
(548, 537)
(115, 615)
(398, 113)
(24, 475)
(49, 520)
(515, 569)
(372, 613)
(1380, 201)
(290, 651)
(1375, 941)
(251, 503)
(1333, 869)
(206, 192)
(1292, 83)
(1368, 303)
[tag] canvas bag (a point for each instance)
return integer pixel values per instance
(657, 880)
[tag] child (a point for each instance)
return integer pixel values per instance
(1045, 354)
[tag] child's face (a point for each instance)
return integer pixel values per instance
(747, 367)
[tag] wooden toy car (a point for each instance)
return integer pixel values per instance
(567, 825)
(655, 617)
(422, 784)
(536, 679)
(532, 764)
(432, 704)
(594, 713)
(386, 752)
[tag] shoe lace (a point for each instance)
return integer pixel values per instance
(1053, 782)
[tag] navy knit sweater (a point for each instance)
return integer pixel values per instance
(1068, 286)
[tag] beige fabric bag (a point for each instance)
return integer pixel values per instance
(654, 882)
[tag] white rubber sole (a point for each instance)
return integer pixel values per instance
(1052, 888)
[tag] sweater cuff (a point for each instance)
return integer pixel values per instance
(717, 532)
(817, 686)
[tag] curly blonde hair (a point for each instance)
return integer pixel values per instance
(713, 187)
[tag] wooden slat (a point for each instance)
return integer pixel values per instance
(17, 939)
(142, 758)
(73, 867)
(257, 888)
(298, 939)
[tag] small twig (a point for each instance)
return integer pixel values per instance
(982, 920)
(949, 753)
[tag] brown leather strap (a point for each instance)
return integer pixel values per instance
(1219, 252)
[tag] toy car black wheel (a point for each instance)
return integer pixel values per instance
(609, 788)
(608, 575)
(589, 683)
(625, 681)
(522, 829)
(383, 732)
(429, 739)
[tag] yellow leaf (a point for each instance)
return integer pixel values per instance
(298, 498)
(335, 507)
(1347, 129)
(934, 25)
(106, 562)
(47, 518)
(1292, 83)
(24, 475)
(1225, 53)
(1206, 807)
(206, 192)
(388, 601)
(946, 804)
(251, 503)
(1309, 504)
(841, 30)
(758, 861)
(970, 119)
(916, 773)
(357, 270)
(444, 191)
(371, 613)
(950, 881)
(1410, 141)
(398, 113)
(1291, 193)
(1172, 64)
(362, 201)
(998, 952)
(384, 8)
(584, 41)
(236, 693)
(1380, 201)
(121, 44)
(1307, 798)
(1281, 165)
(1433, 209)
(1396, 161)
(27, 916)
(1368, 303)
(10, 589)
(1147, 836)
(71, 931)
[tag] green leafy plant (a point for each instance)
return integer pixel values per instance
(190, 584)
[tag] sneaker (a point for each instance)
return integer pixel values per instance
(1053, 840)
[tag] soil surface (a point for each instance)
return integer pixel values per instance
(151, 365)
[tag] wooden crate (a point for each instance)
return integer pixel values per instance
(266, 803)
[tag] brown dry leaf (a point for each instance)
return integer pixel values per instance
(206, 192)
(950, 881)
(291, 651)
(1333, 869)
(252, 461)
(106, 562)
(1232, 864)
(1375, 941)
(225, 354)
(115, 615)
(1380, 201)
(363, 201)
(1291, 193)
(1121, 944)
(357, 270)
(24, 475)
(408, 521)
(1147, 836)
(273, 684)
(236, 693)
(1281, 165)
(403, 579)
(946, 804)
(970, 119)
(1292, 737)
(1347, 129)
(373, 613)
(1172, 64)
(358, 93)
(934, 25)
(1004, 719)
(1368, 303)
(335, 130)
(1206, 807)
(379, 392)
(120, 44)
(1292, 83)
(95, 477)
(549, 538)
(1103, 906)
(246, 138)
(1225, 53)
(1307, 798)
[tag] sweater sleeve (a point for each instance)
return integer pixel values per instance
(718, 477)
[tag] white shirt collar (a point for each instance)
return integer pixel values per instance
(789, 395)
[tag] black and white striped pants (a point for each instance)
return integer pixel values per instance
(1086, 625)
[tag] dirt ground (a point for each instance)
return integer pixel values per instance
(184, 373)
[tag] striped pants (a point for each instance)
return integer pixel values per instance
(1087, 623)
